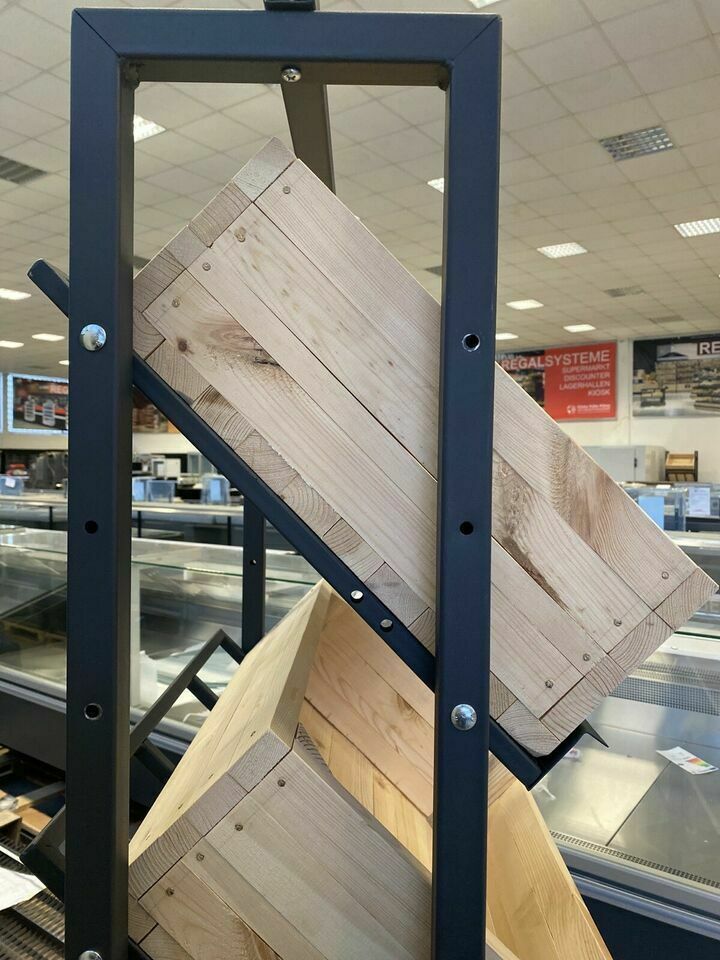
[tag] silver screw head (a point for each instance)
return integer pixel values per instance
(356, 596)
(386, 624)
(291, 74)
(586, 657)
(93, 337)
(463, 716)
(549, 684)
(90, 955)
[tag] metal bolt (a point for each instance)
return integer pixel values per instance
(618, 623)
(206, 266)
(238, 826)
(176, 302)
(386, 624)
(665, 575)
(356, 596)
(281, 782)
(463, 716)
(93, 337)
(586, 657)
(240, 234)
(286, 189)
(200, 856)
(291, 74)
(90, 955)
(549, 684)
(170, 892)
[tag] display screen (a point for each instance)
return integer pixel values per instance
(677, 377)
(571, 383)
(37, 404)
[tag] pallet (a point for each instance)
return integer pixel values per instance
(298, 824)
(313, 353)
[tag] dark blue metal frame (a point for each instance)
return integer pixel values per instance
(111, 51)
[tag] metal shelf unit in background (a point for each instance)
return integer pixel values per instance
(112, 51)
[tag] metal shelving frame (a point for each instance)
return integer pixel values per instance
(112, 51)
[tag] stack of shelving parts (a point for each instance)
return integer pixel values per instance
(314, 354)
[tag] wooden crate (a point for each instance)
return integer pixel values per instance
(314, 354)
(297, 824)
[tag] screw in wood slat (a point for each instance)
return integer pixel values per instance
(618, 623)
(586, 657)
(176, 302)
(170, 892)
(281, 783)
(200, 856)
(549, 684)
(286, 189)
(206, 266)
(665, 575)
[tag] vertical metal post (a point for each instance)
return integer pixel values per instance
(253, 585)
(99, 518)
(464, 502)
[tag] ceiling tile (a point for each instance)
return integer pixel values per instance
(408, 144)
(218, 132)
(563, 132)
(32, 39)
(368, 121)
(672, 68)
(607, 9)
(694, 129)
(654, 164)
(518, 171)
(528, 22)
(568, 57)
(537, 106)
(15, 72)
(167, 106)
(660, 27)
(582, 156)
(687, 100)
(711, 10)
(596, 89)
(417, 104)
(46, 92)
(20, 118)
(635, 114)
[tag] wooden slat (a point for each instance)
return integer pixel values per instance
(352, 482)
(677, 609)
(160, 946)
(250, 729)
(521, 724)
(199, 922)
(184, 379)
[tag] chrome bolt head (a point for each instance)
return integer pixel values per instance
(291, 74)
(90, 955)
(463, 716)
(93, 337)
(356, 596)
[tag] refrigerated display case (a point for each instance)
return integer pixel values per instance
(638, 830)
(181, 594)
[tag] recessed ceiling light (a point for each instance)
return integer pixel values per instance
(64, 363)
(579, 327)
(437, 184)
(696, 228)
(18, 173)
(13, 294)
(557, 250)
(11, 344)
(50, 337)
(637, 143)
(506, 336)
(524, 304)
(142, 128)
(479, 4)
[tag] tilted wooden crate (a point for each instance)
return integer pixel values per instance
(314, 354)
(297, 824)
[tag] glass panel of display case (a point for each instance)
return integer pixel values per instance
(627, 812)
(181, 594)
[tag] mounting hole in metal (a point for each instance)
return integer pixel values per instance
(466, 528)
(93, 711)
(471, 341)
(91, 526)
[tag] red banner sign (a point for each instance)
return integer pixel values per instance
(571, 383)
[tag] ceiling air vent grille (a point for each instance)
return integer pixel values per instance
(18, 172)
(637, 143)
(624, 291)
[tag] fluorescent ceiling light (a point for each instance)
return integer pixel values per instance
(50, 337)
(557, 250)
(524, 304)
(437, 184)
(696, 228)
(637, 143)
(13, 294)
(579, 327)
(479, 4)
(11, 344)
(142, 128)
(64, 363)
(506, 336)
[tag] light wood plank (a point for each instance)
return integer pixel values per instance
(637, 646)
(199, 921)
(219, 213)
(528, 730)
(251, 727)
(677, 609)
(263, 169)
(584, 496)
(309, 506)
(168, 363)
(391, 590)
(159, 945)
(315, 313)
(352, 482)
(350, 547)
(536, 536)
